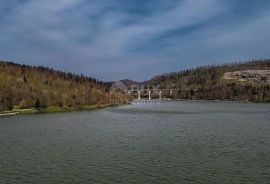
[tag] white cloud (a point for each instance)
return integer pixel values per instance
(95, 37)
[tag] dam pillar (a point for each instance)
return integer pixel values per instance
(149, 92)
(160, 95)
(139, 94)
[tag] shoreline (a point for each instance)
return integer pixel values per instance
(201, 100)
(226, 101)
(55, 109)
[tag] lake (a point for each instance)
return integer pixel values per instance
(170, 142)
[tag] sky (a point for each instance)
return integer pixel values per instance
(134, 39)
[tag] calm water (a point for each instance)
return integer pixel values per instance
(172, 142)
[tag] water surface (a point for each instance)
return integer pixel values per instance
(171, 142)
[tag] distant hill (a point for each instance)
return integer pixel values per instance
(129, 83)
(24, 86)
(243, 81)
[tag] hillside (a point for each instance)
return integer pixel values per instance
(23, 86)
(245, 81)
(128, 82)
(249, 75)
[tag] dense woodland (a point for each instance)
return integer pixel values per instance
(23, 86)
(207, 83)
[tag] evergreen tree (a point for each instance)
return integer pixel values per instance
(37, 104)
(6, 103)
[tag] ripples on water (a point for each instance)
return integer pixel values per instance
(171, 142)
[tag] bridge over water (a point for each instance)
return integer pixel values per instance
(149, 92)
(146, 91)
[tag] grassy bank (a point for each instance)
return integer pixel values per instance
(55, 109)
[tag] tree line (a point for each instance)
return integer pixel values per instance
(24, 86)
(207, 82)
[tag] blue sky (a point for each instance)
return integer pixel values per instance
(136, 39)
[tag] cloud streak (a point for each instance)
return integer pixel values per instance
(115, 39)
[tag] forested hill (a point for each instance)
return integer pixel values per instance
(24, 86)
(243, 81)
